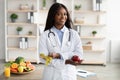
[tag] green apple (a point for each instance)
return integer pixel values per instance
(20, 69)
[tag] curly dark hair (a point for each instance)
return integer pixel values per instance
(51, 15)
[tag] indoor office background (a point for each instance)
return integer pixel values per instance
(112, 44)
(112, 31)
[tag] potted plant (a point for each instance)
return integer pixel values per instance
(19, 29)
(30, 33)
(77, 7)
(13, 17)
(94, 33)
(44, 4)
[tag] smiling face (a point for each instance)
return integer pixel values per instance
(60, 18)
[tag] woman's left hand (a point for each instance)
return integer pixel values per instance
(69, 61)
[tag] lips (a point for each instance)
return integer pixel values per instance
(62, 20)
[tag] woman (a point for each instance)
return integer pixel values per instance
(60, 42)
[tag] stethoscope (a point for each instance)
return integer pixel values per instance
(54, 42)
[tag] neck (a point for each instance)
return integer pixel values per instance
(59, 26)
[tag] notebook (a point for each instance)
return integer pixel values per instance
(84, 73)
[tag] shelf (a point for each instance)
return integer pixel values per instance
(94, 51)
(20, 23)
(17, 36)
(92, 21)
(92, 37)
(20, 11)
(27, 59)
(93, 62)
(44, 10)
(27, 11)
(89, 12)
(42, 24)
(15, 48)
(90, 25)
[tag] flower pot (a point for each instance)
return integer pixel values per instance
(13, 20)
(19, 32)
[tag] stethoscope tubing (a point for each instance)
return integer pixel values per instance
(50, 32)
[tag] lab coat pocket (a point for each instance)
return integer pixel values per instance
(48, 73)
(57, 75)
(51, 73)
(69, 73)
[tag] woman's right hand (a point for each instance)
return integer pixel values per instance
(55, 55)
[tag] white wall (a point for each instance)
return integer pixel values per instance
(113, 26)
(113, 19)
(2, 38)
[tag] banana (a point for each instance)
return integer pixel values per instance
(48, 59)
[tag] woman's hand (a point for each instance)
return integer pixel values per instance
(55, 55)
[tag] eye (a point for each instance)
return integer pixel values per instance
(58, 14)
(65, 14)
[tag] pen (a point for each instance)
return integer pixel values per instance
(82, 71)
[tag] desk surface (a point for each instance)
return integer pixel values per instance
(36, 75)
(88, 78)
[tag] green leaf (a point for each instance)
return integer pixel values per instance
(8, 64)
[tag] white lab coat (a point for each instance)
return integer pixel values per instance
(57, 69)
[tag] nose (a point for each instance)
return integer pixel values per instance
(62, 16)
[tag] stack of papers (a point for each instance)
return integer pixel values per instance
(84, 73)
